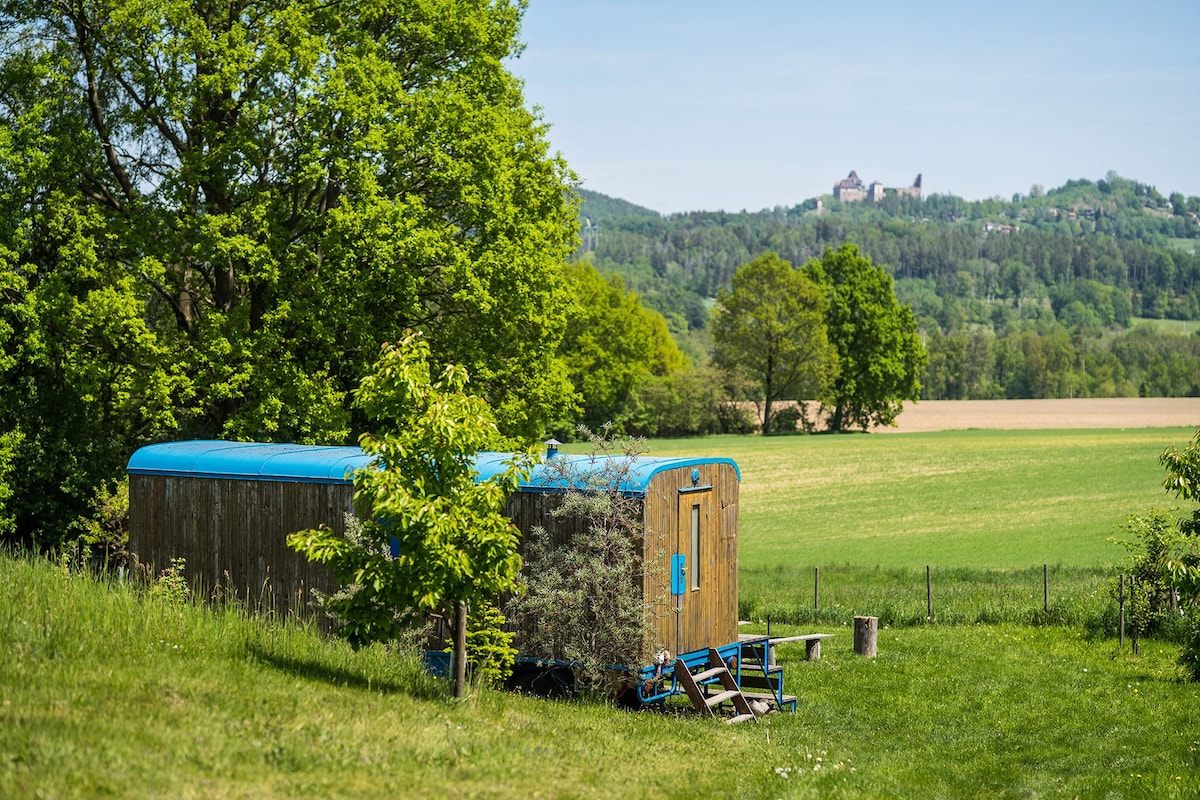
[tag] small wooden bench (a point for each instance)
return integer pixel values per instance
(812, 644)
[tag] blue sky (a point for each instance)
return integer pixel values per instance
(684, 105)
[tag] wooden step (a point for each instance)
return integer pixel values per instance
(754, 681)
(769, 698)
(717, 671)
(708, 674)
(721, 697)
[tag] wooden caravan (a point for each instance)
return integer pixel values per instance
(227, 508)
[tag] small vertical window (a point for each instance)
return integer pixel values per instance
(696, 546)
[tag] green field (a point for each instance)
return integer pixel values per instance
(1186, 245)
(983, 498)
(1183, 326)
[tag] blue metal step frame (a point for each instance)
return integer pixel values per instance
(662, 679)
(664, 685)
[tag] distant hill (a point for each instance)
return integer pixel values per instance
(598, 207)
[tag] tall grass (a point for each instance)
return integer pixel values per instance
(900, 596)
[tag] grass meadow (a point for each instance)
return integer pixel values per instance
(985, 510)
(107, 690)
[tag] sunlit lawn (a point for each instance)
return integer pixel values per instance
(106, 694)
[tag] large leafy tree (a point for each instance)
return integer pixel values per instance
(879, 353)
(240, 200)
(769, 327)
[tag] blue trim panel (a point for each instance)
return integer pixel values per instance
(678, 574)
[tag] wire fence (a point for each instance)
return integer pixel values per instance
(1043, 595)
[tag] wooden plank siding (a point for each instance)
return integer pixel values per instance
(232, 535)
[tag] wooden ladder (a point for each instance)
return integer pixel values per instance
(694, 685)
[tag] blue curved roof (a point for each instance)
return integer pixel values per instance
(244, 460)
(317, 464)
(598, 471)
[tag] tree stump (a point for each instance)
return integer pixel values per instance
(866, 632)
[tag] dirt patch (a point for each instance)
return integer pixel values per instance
(1105, 412)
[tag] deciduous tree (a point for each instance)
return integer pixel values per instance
(611, 345)
(769, 326)
(879, 354)
(431, 538)
(243, 199)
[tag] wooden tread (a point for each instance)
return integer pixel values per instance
(769, 698)
(753, 681)
(708, 674)
(721, 697)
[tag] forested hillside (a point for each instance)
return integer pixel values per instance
(1053, 294)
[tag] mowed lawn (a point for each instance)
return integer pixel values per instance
(980, 499)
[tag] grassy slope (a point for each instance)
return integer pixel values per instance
(103, 692)
(107, 694)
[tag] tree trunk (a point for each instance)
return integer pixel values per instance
(460, 650)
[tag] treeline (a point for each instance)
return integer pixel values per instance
(699, 252)
(1054, 361)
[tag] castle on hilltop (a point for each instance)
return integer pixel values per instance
(851, 190)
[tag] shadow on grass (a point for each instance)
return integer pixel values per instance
(415, 683)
